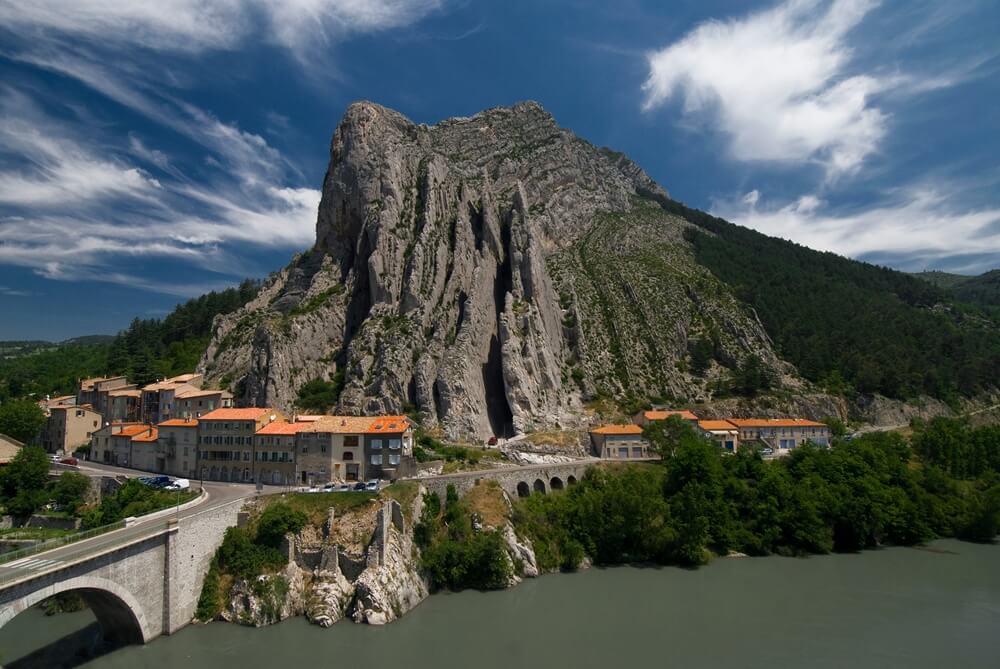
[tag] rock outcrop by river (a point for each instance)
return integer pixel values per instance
(328, 579)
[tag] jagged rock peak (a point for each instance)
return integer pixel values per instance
(491, 272)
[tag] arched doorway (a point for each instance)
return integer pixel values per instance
(556, 483)
(523, 490)
(539, 486)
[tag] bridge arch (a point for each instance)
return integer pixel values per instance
(556, 483)
(117, 611)
(522, 489)
(571, 480)
(539, 486)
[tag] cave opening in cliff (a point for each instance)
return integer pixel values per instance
(497, 408)
(361, 301)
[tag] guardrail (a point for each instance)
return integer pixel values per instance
(58, 542)
(49, 544)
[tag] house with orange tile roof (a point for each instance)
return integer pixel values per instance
(273, 459)
(68, 428)
(722, 432)
(644, 418)
(226, 441)
(782, 435)
(389, 448)
(196, 403)
(331, 448)
(177, 447)
(619, 442)
(96, 393)
(131, 445)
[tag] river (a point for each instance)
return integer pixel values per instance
(931, 607)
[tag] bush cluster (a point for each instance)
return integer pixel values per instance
(456, 555)
(856, 495)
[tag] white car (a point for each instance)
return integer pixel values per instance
(178, 484)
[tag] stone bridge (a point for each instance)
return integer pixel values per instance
(140, 581)
(519, 481)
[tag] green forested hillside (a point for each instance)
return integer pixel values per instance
(983, 290)
(146, 350)
(851, 326)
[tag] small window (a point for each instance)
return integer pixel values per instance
(394, 443)
(622, 452)
(376, 458)
(350, 441)
(376, 444)
(348, 456)
(394, 458)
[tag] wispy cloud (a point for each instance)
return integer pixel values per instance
(76, 213)
(912, 225)
(777, 82)
(194, 26)
(7, 291)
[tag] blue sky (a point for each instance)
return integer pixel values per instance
(150, 152)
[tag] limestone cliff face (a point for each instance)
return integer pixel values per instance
(489, 271)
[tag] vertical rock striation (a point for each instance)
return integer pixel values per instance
(453, 266)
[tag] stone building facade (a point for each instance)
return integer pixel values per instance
(226, 439)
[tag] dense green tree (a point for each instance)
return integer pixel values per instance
(70, 490)
(278, 520)
(23, 481)
(319, 396)
(21, 419)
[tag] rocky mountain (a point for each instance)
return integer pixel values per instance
(491, 272)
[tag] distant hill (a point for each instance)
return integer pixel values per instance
(982, 289)
(146, 350)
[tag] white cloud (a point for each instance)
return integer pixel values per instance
(74, 217)
(919, 221)
(199, 25)
(778, 83)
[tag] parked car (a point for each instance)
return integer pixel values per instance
(492, 441)
(359, 486)
(69, 461)
(372, 486)
(767, 450)
(178, 484)
(330, 487)
(344, 487)
(155, 481)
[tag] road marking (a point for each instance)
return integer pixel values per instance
(32, 564)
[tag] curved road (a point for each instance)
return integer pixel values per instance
(217, 494)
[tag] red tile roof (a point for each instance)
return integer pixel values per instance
(179, 422)
(663, 415)
(281, 427)
(388, 425)
(617, 429)
(250, 413)
(774, 422)
(716, 425)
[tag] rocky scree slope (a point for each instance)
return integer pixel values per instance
(490, 272)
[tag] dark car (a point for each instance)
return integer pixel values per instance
(155, 481)
(359, 486)
(492, 441)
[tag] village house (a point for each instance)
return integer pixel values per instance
(159, 400)
(69, 427)
(50, 403)
(644, 418)
(197, 403)
(389, 448)
(96, 393)
(331, 449)
(177, 447)
(123, 405)
(273, 460)
(226, 439)
(130, 445)
(619, 442)
(9, 447)
(722, 432)
(782, 434)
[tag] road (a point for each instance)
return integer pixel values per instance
(216, 494)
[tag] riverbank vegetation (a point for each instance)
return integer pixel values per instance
(871, 491)
(456, 551)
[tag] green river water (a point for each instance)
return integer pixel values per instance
(932, 607)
